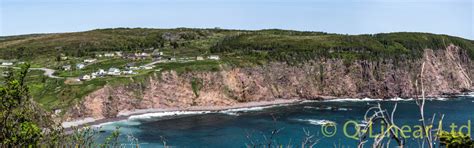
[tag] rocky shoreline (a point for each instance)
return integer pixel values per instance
(126, 115)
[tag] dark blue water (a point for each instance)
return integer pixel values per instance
(230, 130)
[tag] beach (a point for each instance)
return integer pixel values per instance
(154, 112)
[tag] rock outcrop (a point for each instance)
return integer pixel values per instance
(447, 71)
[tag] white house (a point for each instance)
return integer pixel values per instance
(114, 71)
(85, 77)
(66, 67)
(89, 60)
(146, 67)
(7, 63)
(109, 54)
(131, 66)
(199, 58)
(80, 66)
(118, 53)
(214, 57)
(129, 72)
(101, 72)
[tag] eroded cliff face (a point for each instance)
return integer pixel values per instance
(445, 72)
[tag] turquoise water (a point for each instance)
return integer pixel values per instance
(238, 128)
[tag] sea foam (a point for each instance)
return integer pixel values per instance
(316, 121)
(236, 111)
(165, 114)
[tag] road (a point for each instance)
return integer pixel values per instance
(47, 72)
(152, 63)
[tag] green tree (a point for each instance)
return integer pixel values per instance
(18, 118)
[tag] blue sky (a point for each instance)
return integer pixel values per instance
(453, 17)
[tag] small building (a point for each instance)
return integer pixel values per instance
(118, 53)
(129, 72)
(80, 66)
(66, 67)
(146, 67)
(199, 58)
(85, 77)
(131, 66)
(142, 55)
(64, 58)
(7, 63)
(109, 54)
(89, 60)
(99, 55)
(214, 57)
(172, 59)
(156, 54)
(113, 71)
(101, 72)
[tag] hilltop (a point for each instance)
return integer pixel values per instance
(269, 44)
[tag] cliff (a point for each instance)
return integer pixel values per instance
(447, 71)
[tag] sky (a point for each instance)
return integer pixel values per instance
(452, 17)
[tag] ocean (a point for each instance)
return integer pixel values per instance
(331, 123)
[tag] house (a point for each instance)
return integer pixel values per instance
(129, 72)
(109, 54)
(101, 72)
(5, 73)
(146, 67)
(199, 58)
(214, 57)
(131, 66)
(7, 63)
(142, 55)
(85, 77)
(80, 66)
(89, 60)
(113, 71)
(118, 53)
(156, 54)
(172, 59)
(130, 56)
(66, 67)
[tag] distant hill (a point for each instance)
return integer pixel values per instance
(269, 44)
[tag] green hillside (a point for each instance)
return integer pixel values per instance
(235, 48)
(267, 44)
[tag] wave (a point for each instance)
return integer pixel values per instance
(374, 100)
(316, 121)
(470, 94)
(236, 111)
(367, 100)
(327, 108)
(166, 114)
